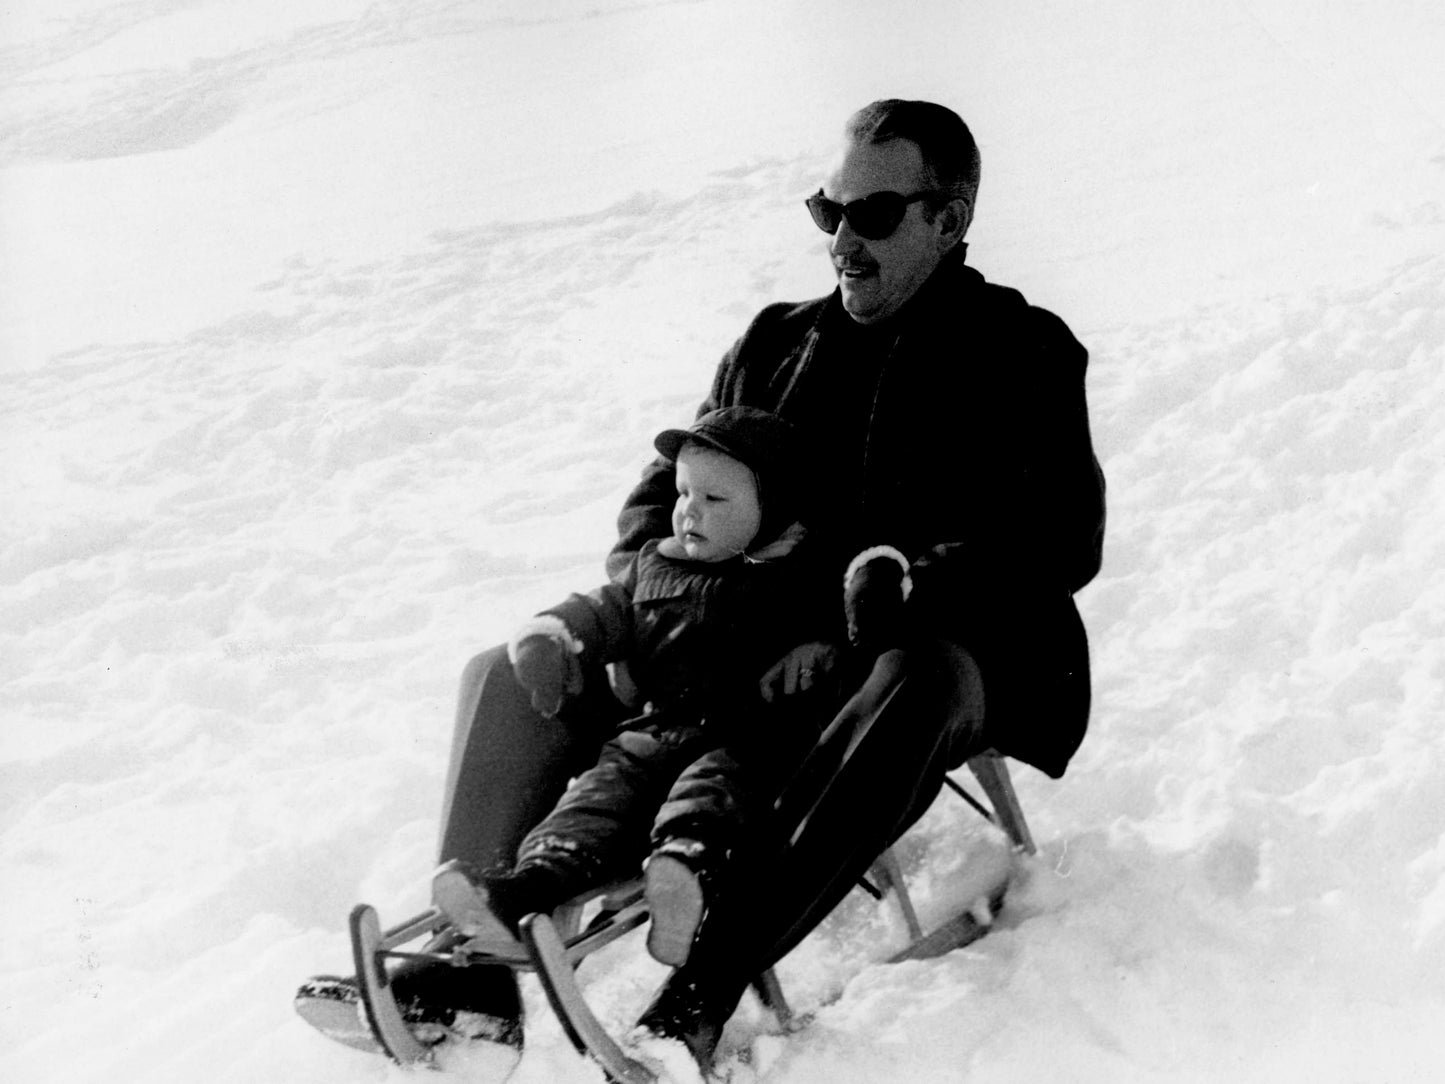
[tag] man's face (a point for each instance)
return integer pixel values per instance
(878, 277)
(717, 513)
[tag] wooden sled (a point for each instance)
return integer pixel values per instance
(553, 945)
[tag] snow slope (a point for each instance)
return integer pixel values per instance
(332, 334)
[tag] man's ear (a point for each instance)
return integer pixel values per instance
(954, 218)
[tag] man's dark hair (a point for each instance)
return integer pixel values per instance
(950, 155)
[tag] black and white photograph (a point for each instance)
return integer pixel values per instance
(722, 542)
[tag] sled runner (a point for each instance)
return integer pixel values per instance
(554, 945)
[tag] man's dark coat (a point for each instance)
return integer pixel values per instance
(958, 433)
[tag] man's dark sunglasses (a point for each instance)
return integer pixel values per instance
(872, 217)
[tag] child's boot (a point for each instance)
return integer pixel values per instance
(492, 905)
(678, 876)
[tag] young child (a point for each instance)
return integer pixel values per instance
(689, 631)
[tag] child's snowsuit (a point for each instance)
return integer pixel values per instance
(704, 759)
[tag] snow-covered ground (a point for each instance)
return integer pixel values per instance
(333, 332)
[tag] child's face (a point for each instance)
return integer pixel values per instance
(717, 513)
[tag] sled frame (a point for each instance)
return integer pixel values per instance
(552, 946)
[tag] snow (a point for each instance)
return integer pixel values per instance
(332, 334)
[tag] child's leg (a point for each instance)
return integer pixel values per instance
(597, 833)
(599, 829)
(713, 799)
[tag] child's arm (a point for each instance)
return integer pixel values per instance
(549, 651)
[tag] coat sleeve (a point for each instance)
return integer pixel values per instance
(1040, 526)
(1060, 507)
(646, 514)
(602, 619)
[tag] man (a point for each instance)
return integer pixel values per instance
(967, 509)
(963, 506)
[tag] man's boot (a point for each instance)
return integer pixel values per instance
(692, 1010)
(437, 1002)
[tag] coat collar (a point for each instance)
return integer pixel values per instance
(951, 282)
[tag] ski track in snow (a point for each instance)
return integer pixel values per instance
(242, 565)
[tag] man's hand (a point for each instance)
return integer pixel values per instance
(874, 591)
(547, 668)
(798, 671)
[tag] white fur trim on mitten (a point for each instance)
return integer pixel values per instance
(873, 553)
(548, 625)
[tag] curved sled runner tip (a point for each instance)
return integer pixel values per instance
(380, 1007)
(549, 959)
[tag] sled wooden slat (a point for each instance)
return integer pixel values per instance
(429, 920)
(889, 875)
(992, 773)
(961, 930)
(623, 911)
(624, 921)
(770, 993)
